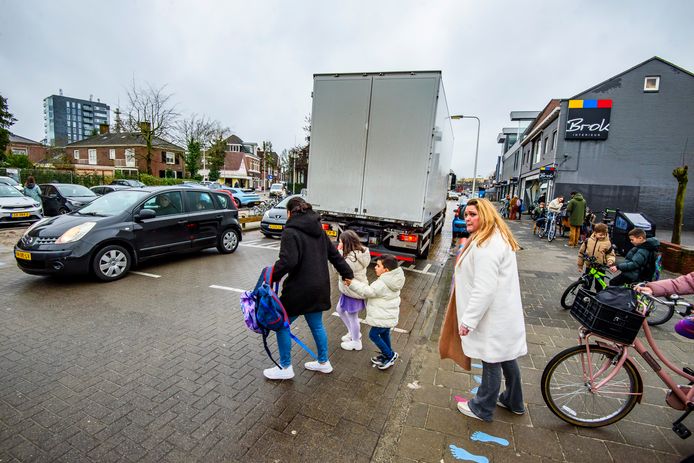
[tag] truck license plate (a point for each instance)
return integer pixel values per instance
(22, 255)
(332, 233)
(20, 214)
(275, 227)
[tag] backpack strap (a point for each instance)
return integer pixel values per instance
(266, 332)
(299, 341)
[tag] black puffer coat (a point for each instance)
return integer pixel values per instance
(304, 254)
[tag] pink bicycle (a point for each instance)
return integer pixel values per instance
(596, 383)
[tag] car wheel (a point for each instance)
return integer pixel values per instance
(238, 203)
(62, 211)
(111, 263)
(228, 241)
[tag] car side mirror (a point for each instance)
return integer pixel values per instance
(145, 214)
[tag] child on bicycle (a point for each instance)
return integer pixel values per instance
(598, 246)
(637, 261)
(540, 214)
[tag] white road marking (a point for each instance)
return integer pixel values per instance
(2, 263)
(272, 246)
(397, 330)
(426, 268)
(151, 275)
(227, 288)
(418, 271)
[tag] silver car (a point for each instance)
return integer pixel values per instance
(274, 220)
(15, 207)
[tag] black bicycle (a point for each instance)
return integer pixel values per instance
(594, 272)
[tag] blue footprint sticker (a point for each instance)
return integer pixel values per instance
(478, 379)
(476, 365)
(480, 436)
(474, 390)
(462, 454)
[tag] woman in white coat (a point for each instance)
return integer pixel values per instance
(489, 309)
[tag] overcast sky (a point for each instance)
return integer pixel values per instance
(250, 64)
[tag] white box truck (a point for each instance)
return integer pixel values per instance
(379, 159)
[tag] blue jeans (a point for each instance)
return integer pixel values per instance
(315, 323)
(381, 337)
(484, 403)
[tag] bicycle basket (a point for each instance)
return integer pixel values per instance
(620, 323)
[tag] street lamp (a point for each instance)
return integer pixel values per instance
(477, 147)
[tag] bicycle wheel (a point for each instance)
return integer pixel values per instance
(567, 390)
(552, 232)
(567, 299)
(659, 313)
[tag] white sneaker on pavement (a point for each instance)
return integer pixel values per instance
(279, 373)
(464, 408)
(352, 345)
(346, 337)
(317, 366)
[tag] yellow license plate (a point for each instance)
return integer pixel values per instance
(22, 255)
(20, 214)
(275, 227)
(332, 233)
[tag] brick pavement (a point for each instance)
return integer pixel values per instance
(425, 422)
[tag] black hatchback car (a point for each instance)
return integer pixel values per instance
(118, 230)
(61, 198)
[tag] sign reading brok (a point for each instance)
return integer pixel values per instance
(588, 120)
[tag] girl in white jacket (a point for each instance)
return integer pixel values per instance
(489, 309)
(350, 304)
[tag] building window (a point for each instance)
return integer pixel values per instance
(170, 158)
(22, 151)
(554, 140)
(651, 84)
(536, 150)
(112, 153)
(234, 148)
(545, 148)
(76, 153)
(92, 156)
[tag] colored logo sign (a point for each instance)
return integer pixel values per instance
(588, 120)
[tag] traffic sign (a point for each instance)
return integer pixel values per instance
(269, 177)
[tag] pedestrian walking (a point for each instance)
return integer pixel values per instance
(488, 321)
(382, 306)
(576, 208)
(350, 304)
(32, 190)
(305, 251)
(515, 202)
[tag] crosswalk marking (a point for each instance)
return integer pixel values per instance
(227, 288)
(273, 246)
(424, 271)
(361, 320)
(151, 275)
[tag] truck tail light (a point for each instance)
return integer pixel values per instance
(408, 238)
(325, 226)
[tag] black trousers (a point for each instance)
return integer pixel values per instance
(620, 280)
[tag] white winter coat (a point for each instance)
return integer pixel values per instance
(358, 261)
(382, 298)
(488, 301)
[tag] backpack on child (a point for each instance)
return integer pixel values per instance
(654, 266)
(263, 311)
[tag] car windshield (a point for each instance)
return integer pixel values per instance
(276, 186)
(9, 181)
(283, 204)
(8, 191)
(75, 190)
(113, 203)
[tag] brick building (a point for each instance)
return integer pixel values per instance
(24, 146)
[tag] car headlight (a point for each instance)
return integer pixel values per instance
(35, 204)
(75, 233)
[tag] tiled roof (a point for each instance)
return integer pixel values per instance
(17, 139)
(123, 139)
(233, 160)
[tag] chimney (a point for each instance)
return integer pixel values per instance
(103, 128)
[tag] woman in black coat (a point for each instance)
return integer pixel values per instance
(304, 254)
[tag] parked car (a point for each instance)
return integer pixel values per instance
(105, 189)
(244, 197)
(277, 189)
(225, 190)
(11, 182)
(273, 221)
(128, 182)
(459, 226)
(61, 198)
(121, 229)
(16, 208)
(452, 195)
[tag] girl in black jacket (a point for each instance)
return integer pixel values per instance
(304, 254)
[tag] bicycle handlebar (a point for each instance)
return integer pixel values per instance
(671, 301)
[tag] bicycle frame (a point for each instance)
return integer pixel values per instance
(623, 352)
(598, 275)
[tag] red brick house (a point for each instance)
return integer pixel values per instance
(125, 152)
(24, 146)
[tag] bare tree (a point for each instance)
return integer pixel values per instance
(217, 150)
(152, 114)
(195, 133)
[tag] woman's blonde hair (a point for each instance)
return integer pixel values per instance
(489, 222)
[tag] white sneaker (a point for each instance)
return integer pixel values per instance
(352, 345)
(464, 408)
(317, 366)
(279, 373)
(346, 338)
